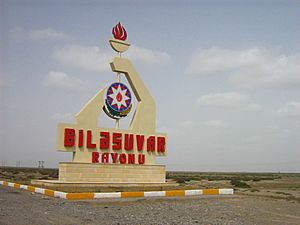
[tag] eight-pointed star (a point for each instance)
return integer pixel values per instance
(119, 97)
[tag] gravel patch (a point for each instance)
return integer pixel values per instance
(22, 207)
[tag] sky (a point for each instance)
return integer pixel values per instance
(225, 76)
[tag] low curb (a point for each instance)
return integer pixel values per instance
(92, 195)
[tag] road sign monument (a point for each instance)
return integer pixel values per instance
(114, 155)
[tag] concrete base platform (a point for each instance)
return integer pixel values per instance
(102, 187)
(110, 173)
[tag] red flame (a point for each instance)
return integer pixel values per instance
(119, 32)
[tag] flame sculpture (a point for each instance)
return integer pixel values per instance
(119, 32)
(119, 43)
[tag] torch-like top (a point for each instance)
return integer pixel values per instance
(118, 43)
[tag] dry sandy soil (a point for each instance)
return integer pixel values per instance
(267, 199)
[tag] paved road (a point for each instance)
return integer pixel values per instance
(21, 207)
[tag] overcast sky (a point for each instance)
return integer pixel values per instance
(225, 76)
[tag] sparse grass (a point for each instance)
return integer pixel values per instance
(194, 179)
(223, 176)
(24, 175)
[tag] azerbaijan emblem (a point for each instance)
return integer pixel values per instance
(118, 101)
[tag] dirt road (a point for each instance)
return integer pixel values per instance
(22, 207)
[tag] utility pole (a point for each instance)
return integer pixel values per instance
(18, 163)
(41, 164)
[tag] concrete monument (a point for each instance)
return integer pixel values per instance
(114, 155)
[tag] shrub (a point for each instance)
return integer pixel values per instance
(238, 183)
(256, 179)
(168, 176)
(180, 180)
(44, 172)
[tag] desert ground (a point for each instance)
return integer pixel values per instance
(260, 198)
